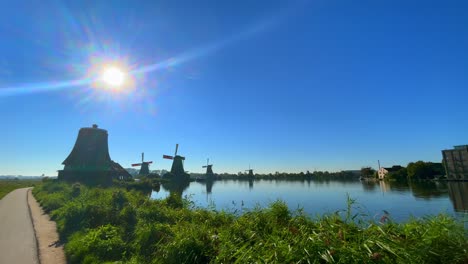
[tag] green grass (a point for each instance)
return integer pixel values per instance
(115, 225)
(6, 186)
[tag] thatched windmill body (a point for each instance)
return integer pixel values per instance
(177, 169)
(144, 169)
(250, 174)
(89, 160)
(209, 170)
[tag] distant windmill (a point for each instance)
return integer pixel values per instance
(251, 175)
(144, 170)
(177, 169)
(209, 170)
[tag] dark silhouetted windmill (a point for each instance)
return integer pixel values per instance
(250, 175)
(209, 170)
(144, 170)
(177, 169)
(89, 160)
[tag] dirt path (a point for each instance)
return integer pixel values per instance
(50, 251)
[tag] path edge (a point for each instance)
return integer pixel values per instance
(36, 241)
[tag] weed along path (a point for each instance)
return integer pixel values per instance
(17, 239)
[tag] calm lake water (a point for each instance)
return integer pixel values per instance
(316, 197)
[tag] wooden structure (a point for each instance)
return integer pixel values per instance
(89, 160)
(144, 169)
(177, 169)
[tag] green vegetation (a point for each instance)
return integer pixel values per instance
(315, 175)
(368, 172)
(102, 225)
(7, 186)
(424, 170)
(419, 170)
(399, 174)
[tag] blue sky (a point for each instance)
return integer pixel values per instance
(281, 85)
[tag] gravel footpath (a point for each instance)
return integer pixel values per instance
(50, 250)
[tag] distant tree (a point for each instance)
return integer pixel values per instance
(417, 170)
(424, 170)
(399, 175)
(437, 168)
(367, 172)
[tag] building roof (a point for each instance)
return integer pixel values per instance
(457, 148)
(393, 168)
(90, 149)
(118, 169)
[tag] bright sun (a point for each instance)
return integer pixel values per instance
(113, 76)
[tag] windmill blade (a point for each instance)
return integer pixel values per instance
(148, 162)
(176, 148)
(136, 164)
(167, 157)
(183, 158)
(142, 157)
(204, 166)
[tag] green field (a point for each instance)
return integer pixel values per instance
(100, 225)
(7, 186)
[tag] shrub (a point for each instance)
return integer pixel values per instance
(191, 244)
(76, 189)
(148, 237)
(96, 245)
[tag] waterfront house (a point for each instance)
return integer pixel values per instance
(456, 163)
(384, 171)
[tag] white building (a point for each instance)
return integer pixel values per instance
(384, 171)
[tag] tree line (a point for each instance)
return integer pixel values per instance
(315, 175)
(419, 170)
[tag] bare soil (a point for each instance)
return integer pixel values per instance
(49, 247)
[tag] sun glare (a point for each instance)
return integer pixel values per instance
(113, 76)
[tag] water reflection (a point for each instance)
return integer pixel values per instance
(369, 186)
(402, 199)
(176, 187)
(157, 187)
(426, 190)
(209, 186)
(420, 189)
(429, 189)
(458, 192)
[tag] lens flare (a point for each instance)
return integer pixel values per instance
(122, 79)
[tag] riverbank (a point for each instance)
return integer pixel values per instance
(114, 224)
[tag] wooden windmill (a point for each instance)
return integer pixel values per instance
(209, 168)
(89, 160)
(177, 169)
(144, 170)
(250, 175)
